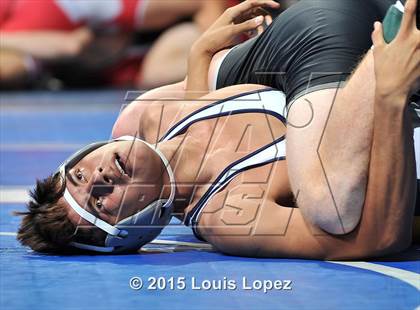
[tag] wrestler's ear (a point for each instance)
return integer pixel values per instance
(378, 35)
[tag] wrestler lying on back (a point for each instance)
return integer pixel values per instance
(249, 209)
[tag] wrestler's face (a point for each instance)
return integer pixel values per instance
(114, 181)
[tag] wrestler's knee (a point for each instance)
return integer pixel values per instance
(322, 211)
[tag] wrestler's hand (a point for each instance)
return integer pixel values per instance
(244, 17)
(397, 65)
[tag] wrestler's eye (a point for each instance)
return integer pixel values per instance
(79, 175)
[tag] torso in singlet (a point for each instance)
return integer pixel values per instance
(243, 135)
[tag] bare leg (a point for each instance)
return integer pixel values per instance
(166, 61)
(329, 151)
(171, 10)
(351, 138)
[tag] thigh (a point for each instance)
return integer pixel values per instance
(326, 173)
(159, 14)
(328, 148)
(306, 120)
(165, 61)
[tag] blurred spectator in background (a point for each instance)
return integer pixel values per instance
(91, 43)
(166, 63)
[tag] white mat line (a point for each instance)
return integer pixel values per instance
(45, 147)
(9, 234)
(406, 276)
(183, 243)
(193, 245)
(157, 241)
(12, 194)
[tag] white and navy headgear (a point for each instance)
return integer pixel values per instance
(133, 232)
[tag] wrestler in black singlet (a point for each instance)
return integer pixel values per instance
(314, 44)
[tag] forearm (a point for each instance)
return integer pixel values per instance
(44, 45)
(391, 190)
(197, 76)
(219, 36)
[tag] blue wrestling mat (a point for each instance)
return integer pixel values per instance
(38, 130)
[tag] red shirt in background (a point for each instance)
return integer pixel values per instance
(65, 15)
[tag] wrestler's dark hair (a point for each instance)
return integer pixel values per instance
(45, 226)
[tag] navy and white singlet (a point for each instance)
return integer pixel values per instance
(267, 101)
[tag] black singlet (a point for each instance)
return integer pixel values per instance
(314, 44)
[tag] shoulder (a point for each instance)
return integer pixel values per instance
(159, 116)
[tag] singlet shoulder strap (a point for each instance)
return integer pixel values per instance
(267, 154)
(268, 101)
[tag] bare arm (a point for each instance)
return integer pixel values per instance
(254, 225)
(386, 220)
(219, 36)
(391, 190)
(46, 44)
(329, 154)
(197, 75)
(251, 224)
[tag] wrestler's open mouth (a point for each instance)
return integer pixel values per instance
(120, 164)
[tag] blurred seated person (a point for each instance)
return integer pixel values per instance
(39, 34)
(166, 62)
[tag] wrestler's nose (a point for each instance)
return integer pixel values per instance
(100, 183)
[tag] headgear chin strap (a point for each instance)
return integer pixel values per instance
(135, 231)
